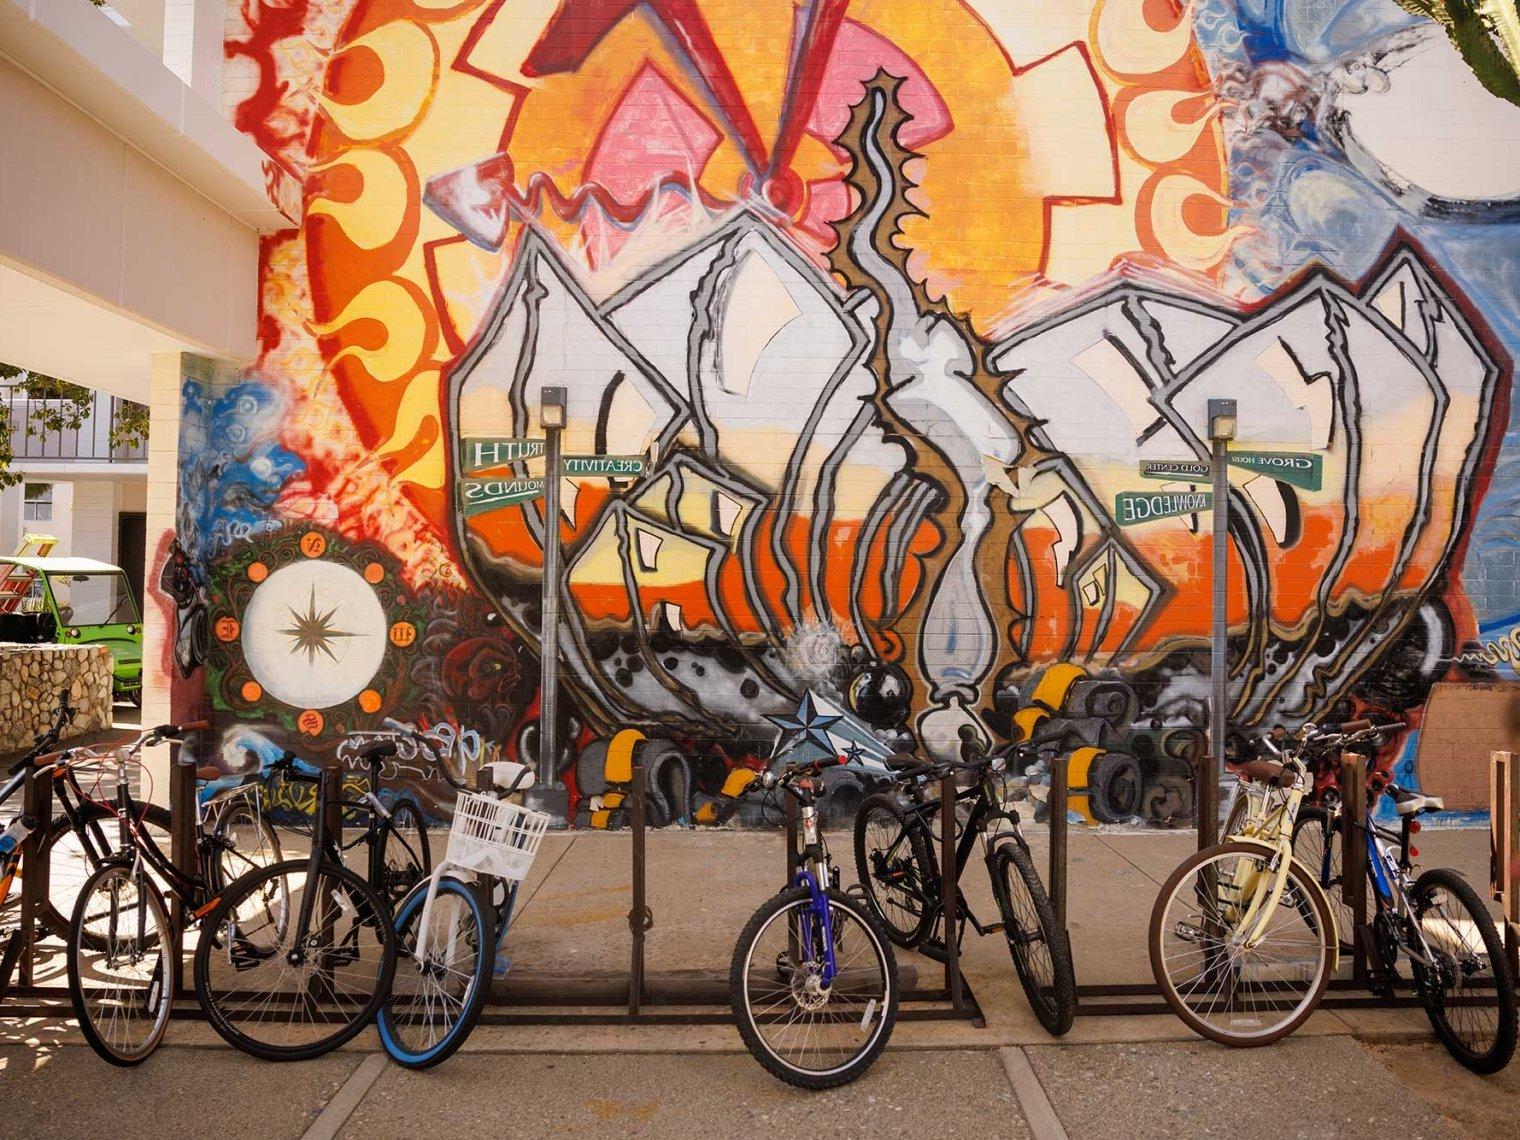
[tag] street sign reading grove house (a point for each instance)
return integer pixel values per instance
(1299, 468)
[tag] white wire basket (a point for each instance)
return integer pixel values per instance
(494, 837)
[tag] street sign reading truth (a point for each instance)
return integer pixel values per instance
(1179, 470)
(484, 454)
(615, 466)
(1302, 469)
(482, 495)
(1132, 507)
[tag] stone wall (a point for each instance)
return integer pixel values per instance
(32, 676)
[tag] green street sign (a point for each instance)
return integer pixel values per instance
(1302, 469)
(1177, 470)
(481, 495)
(614, 466)
(484, 454)
(1133, 507)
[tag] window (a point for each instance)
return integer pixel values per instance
(37, 502)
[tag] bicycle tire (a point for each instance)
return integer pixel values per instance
(1053, 999)
(241, 858)
(745, 964)
(1317, 831)
(394, 1023)
(1431, 992)
(230, 1010)
(920, 875)
(53, 917)
(1303, 886)
(406, 857)
(160, 985)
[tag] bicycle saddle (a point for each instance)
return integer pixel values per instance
(378, 750)
(1413, 803)
(1265, 771)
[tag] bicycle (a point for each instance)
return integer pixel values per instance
(122, 969)
(76, 842)
(398, 855)
(295, 959)
(450, 928)
(1458, 968)
(897, 861)
(1242, 938)
(813, 982)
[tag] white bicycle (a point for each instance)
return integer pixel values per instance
(450, 927)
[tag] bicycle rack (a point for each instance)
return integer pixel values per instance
(37, 802)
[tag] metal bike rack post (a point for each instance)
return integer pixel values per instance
(1504, 846)
(1059, 778)
(182, 845)
(793, 834)
(37, 802)
(640, 919)
(1206, 798)
(949, 894)
(1354, 857)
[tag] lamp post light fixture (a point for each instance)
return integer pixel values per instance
(551, 796)
(1223, 424)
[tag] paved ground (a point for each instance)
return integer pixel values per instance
(1347, 1071)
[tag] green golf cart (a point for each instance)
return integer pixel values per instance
(75, 601)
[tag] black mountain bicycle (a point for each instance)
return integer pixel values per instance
(395, 837)
(1457, 965)
(78, 839)
(295, 958)
(897, 859)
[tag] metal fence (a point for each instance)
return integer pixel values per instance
(90, 442)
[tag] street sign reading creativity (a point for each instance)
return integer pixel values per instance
(615, 466)
(1132, 507)
(481, 495)
(1299, 468)
(484, 454)
(1179, 470)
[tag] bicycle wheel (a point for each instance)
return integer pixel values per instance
(121, 964)
(434, 1004)
(806, 1033)
(249, 843)
(896, 869)
(1317, 845)
(407, 859)
(70, 862)
(284, 992)
(1221, 987)
(1041, 950)
(1470, 995)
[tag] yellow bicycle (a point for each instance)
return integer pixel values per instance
(1243, 940)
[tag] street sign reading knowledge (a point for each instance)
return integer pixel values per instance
(1132, 507)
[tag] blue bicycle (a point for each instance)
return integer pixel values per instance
(813, 984)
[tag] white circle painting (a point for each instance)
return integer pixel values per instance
(314, 634)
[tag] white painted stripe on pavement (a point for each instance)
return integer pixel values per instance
(1038, 1110)
(346, 1099)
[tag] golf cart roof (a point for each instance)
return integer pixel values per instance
(61, 565)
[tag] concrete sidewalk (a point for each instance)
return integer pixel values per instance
(1120, 1076)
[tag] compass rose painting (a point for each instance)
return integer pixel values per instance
(314, 634)
(313, 630)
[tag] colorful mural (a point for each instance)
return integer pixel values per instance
(894, 297)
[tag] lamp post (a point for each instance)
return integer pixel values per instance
(551, 795)
(1222, 425)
